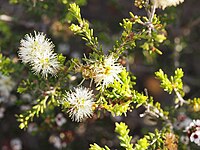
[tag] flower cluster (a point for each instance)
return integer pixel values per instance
(38, 52)
(81, 102)
(57, 142)
(107, 71)
(193, 131)
(166, 3)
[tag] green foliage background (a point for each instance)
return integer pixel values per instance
(107, 18)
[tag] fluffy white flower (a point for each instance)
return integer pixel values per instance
(165, 3)
(37, 50)
(81, 102)
(31, 45)
(107, 72)
(44, 63)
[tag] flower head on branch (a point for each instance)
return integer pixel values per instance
(81, 102)
(166, 3)
(38, 52)
(107, 71)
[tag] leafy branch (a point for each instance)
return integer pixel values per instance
(28, 116)
(149, 34)
(97, 147)
(125, 139)
(83, 29)
(37, 109)
(6, 65)
(174, 83)
(152, 141)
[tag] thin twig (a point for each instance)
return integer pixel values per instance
(180, 98)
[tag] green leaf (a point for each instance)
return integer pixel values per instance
(123, 131)
(97, 147)
(83, 29)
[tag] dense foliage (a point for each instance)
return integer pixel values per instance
(86, 83)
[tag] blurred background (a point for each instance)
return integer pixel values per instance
(57, 131)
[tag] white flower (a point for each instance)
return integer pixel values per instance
(2, 110)
(193, 124)
(197, 122)
(107, 72)
(31, 45)
(81, 102)
(37, 51)
(193, 131)
(165, 3)
(185, 140)
(44, 63)
(16, 144)
(6, 86)
(60, 119)
(26, 97)
(195, 137)
(57, 142)
(185, 122)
